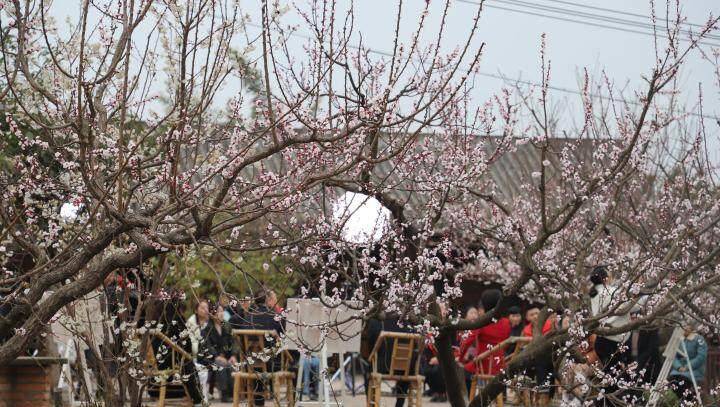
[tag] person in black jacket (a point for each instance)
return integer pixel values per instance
(261, 316)
(643, 346)
(239, 313)
(218, 336)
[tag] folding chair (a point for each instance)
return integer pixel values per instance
(255, 358)
(170, 376)
(404, 366)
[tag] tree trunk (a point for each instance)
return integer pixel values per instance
(454, 386)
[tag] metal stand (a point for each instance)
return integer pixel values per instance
(676, 342)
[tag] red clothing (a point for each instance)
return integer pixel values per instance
(485, 338)
(527, 331)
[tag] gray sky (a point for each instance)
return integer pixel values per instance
(513, 39)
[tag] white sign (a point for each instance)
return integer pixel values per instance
(309, 323)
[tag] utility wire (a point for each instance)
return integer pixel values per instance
(620, 12)
(582, 14)
(500, 76)
(521, 10)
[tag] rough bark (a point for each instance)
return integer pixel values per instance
(455, 387)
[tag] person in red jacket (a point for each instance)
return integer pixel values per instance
(485, 338)
(533, 317)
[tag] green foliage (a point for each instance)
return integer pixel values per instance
(202, 278)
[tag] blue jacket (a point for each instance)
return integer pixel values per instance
(696, 358)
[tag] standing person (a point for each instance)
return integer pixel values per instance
(612, 355)
(219, 340)
(685, 368)
(644, 347)
(311, 373)
(485, 338)
(196, 324)
(607, 348)
(174, 327)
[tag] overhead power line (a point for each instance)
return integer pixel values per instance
(619, 12)
(583, 18)
(610, 19)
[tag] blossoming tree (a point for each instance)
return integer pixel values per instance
(124, 120)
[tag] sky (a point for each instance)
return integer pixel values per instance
(512, 38)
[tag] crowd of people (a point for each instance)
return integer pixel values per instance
(597, 365)
(210, 342)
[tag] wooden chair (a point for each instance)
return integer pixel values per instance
(404, 364)
(484, 372)
(166, 377)
(255, 357)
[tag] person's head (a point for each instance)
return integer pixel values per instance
(489, 299)
(259, 297)
(271, 299)
(471, 313)
(514, 315)
(689, 327)
(219, 312)
(531, 315)
(245, 303)
(224, 301)
(203, 310)
(599, 276)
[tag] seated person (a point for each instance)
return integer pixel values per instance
(239, 312)
(533, 315)
(471, 314)
(219, 341)
(430, 368)
(485, 338)
(685, 368)
(262, 316)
